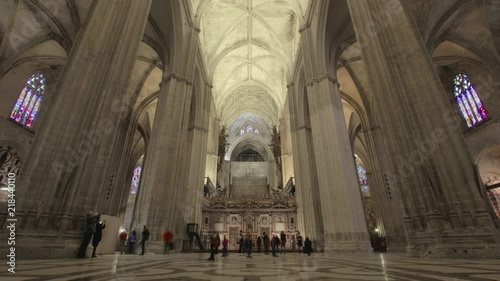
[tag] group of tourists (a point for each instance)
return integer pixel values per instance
(245, 244)
(128, 241)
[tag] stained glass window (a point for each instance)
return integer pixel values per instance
(249, 128)
(242, 131)
(363, 180)
(135, 180)
(468, 101)
(29, 101)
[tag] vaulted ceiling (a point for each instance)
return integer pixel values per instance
(249, 48)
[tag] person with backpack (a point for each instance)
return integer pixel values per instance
(145, 237)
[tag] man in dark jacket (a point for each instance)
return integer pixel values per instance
(97, 235)
(145, 237)
(92, 218)
(265, 239)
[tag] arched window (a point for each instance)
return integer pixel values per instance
(249, 128)
(467, 99)
(29, 101)
(256, 131)
(363, 179)
(135, 180)
(242, 131)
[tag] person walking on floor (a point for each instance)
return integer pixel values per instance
(225, 243)
(299, 243)
(259, 243)
(274, 244)
(97, 236)
(145, 237)
(212, 248)
(307, 246)
(283, 242)
(123, 241)
(265, 239)
(167, 239)
(240, 242)
(248, 244)
(131, 242)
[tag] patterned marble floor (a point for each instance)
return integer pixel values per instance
(289, 267)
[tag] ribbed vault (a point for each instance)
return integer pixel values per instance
(249, 48)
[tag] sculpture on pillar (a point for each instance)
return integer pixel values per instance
(276, 149)
(222, 149)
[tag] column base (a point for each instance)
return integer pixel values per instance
(453, 245)
(46, 245)
(454, 250)
(347, 243)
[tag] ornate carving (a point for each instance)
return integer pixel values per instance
(223, 145)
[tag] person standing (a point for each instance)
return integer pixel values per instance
(307, 246)
(265, 239)
(299, 243)
(97, 236)
(88, 232)
(167, 239)
(283, 241)
(131, 242)
(212, 248)
(275, 244)
(225, 243)
(240, 242)
(217, 243)
(259, 243)
(123, 240)
(145, 237)
(248, 243)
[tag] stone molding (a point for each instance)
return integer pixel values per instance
(172, 75)
(321, 78)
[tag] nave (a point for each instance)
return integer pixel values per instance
(237, 267)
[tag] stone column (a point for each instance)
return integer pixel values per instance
(309, 216)
(432, 172)
(196, 151)
(343, 216)
(161, 196)
(86, 111)
(385, 203)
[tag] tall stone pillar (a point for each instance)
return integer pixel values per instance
(161, 195)
(443, 206)
(196, 151)
(385, 202)
(342, 210)
(87, 109)
(309, 214)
